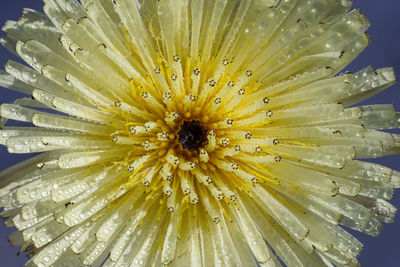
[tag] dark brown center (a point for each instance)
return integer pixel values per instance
(192, 135)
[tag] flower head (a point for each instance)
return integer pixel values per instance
(194, 133)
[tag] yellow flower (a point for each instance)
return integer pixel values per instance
(194, 133)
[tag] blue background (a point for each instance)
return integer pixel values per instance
(382, 52)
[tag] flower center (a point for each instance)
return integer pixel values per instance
(192, 135)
